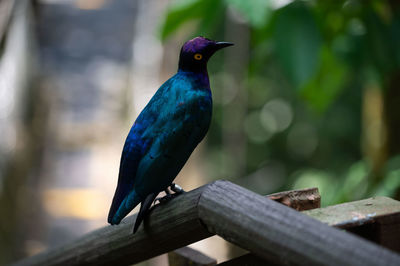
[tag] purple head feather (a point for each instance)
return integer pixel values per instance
(196, 52)
(197, 44)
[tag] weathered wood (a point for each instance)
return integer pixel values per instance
(170, 226)
(188, 256)
(273, 231)
(353, 213)
(300, 200)
(248, 259)
(268, 229)
(376, 219)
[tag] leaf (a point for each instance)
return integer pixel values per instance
(381, 49)
(205, 11)
(297, 42)
(255, 12)
(212, 19)
(178, 14)
(395, 32)
(328, 82)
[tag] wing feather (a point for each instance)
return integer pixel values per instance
(136, 145)
(130, 158)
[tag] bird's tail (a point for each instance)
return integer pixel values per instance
(127, 205)
(144, 209)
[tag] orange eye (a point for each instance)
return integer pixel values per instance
(198, 56)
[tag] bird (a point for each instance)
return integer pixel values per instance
(165, 133)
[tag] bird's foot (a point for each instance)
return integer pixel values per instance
(164, 199)
(175, 188)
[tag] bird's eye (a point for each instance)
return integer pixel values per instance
(198, 56)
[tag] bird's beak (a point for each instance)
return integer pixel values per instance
(220, 45)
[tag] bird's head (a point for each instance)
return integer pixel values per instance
(196, 52)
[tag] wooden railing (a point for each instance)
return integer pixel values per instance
(270, 231)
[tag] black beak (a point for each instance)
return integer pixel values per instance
(220, 45)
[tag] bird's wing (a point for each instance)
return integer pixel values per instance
(131, 155)
(136, 144)
(180, 126)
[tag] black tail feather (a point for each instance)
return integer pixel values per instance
(144, 209)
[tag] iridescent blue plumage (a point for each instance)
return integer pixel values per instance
(166, 132)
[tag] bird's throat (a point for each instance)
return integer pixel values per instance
(200, 77)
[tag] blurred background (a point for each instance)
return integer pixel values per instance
(309, 96)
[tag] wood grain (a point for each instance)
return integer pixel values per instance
(168, 227)
(268, 229)
(248, 259)
(300, 200)
(277, 233)
(189, 256)
(376, 219)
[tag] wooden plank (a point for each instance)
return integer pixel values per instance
(387, 231)
(170, 226)
(189, 256)
(355, 213)
(268, 229)
(88, 250)
(277, 233)
(247, 260)
(376, 219)
(300, 200)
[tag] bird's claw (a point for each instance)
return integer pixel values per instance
(175, 188)
(164, 199)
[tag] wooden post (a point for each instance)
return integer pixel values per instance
(300, 200)
(248, 259)
(268, 229)
(170, 226)
(376, 219)
(189, 256)
(277, 233)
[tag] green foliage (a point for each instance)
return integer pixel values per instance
(382, 42)
(391, 182)
(314, 58)
(297, 42)
(207, 12)
(379, 45)
(322, 89)
(256, 12)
